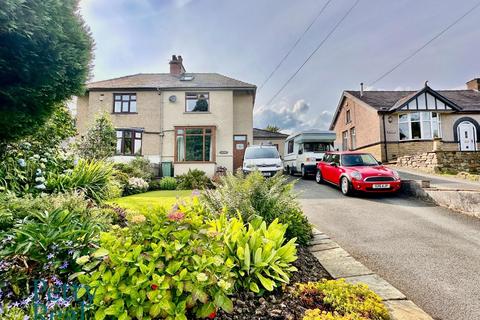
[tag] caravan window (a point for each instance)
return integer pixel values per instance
(290, 146)
(315, 147)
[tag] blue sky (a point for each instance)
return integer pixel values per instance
(246, 39)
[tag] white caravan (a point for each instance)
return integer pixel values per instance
(304, 149)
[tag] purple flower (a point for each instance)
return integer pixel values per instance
(71, 252)
(195, 193)
(50, 256)
(64, 265)
(69, 243)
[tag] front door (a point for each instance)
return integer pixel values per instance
(467, 136)
(239, 145)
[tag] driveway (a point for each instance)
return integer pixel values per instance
(429, 253)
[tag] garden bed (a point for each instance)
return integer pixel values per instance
(280, 304)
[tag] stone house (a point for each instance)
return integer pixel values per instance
(266, 137)
(192, 120)
(393, 124)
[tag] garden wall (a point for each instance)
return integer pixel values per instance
(443, 161)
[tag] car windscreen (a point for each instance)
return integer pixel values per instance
(261, 153)
(315, 147)
(350, 160)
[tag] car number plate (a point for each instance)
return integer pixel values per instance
(381, 186)
(266, 174)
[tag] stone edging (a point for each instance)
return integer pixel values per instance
(340, 264)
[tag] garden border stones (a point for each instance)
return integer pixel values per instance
(340, 264)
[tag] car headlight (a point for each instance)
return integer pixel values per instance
(396, 175)
(356, 175)
(249, 166)
(311, 159)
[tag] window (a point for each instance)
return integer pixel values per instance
(419, 125)
(195, 144)
(345, 140)
(129, 142)
(196, 102)
(335, 158)
(315, 147)
(124, 103)
(352, 160)
(290, 146)
(353, 142)
(348, 117)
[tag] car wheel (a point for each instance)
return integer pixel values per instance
(318, 177)
(345, 186)
(291, 171)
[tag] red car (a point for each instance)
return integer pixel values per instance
(356, 171)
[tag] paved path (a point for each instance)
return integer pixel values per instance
(429, 253)
(438, 180)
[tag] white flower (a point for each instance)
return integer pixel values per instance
(202, 277)
(137, 183)
(41, 187)
(44, 160)
(40, 179)
(22, 163)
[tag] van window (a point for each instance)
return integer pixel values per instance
(261, 153)
(290, 146)
(315, 146)
(327, 157)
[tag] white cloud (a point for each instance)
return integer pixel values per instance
(182, 3)
(292, 117)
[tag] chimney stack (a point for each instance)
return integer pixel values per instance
(474, 84)
(361, 89)
(176, 65)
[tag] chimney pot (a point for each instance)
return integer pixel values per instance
(176, 65)
(474, 84)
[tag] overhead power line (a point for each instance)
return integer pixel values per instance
(295, 44)
(438, 35)
(314, 51)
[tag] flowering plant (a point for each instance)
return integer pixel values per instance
(135, 185)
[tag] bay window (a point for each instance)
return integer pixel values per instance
(419, 125)
(194, 144)
(129, 142)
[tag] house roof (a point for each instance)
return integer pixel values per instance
(389, 101)
(170, 81)
(265, 134)
(467, 100)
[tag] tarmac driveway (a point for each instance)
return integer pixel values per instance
(429, 253)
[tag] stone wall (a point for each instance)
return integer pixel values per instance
(443, 161)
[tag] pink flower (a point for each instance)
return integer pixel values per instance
(176, 216)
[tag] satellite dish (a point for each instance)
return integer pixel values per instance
(172, 98)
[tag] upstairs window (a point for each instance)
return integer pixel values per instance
(124, 103)
(129, 142)
(348, 117)
(353, 142)
(419, 125)
(196, 102)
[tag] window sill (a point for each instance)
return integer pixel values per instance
(124, 113)
(197, 112)
(127, 155)
(419, 139)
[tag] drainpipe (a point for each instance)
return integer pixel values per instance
(161, 135)
(385, 138)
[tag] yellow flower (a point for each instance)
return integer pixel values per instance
(139, 218)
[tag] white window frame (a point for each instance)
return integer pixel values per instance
(422, 118)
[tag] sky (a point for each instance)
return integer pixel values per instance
(246, 39)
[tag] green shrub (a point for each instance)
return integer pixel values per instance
(163, 266)
(93, 177)
(168, 183)
(257, 253)
(139, 167)
(99, 142)
(271, 198)
(193, 179)
(347, 301)
(48, 234)
(8, 312)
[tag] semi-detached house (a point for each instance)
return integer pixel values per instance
(192, 120)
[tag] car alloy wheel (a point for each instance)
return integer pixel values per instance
(345, 186)
(318, 177)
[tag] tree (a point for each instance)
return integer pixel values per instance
(272, 128)
(45, 56)
(100, 140)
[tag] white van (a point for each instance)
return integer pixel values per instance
(265, 159)
(304, 149)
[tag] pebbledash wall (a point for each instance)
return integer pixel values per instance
(443, 161)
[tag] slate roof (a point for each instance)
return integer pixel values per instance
(467, 100)
(265, 134)
(169, 81)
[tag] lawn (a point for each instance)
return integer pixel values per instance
(152, 200)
